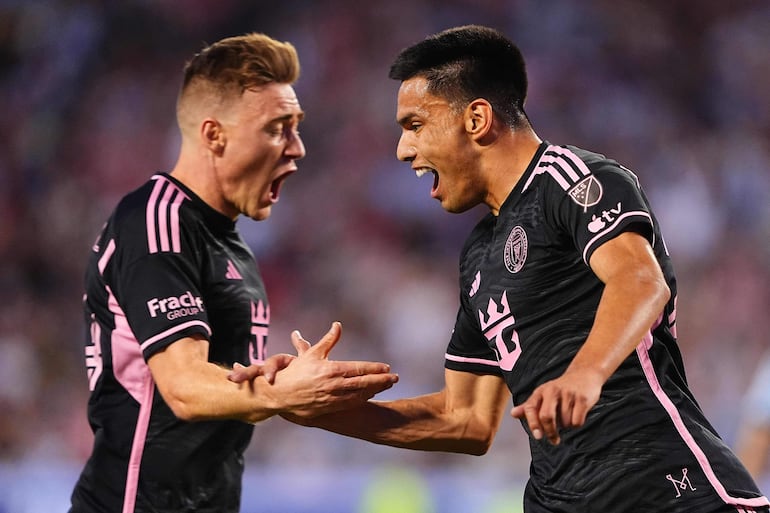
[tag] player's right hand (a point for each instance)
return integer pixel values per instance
(311, 384)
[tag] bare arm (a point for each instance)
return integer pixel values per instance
(463, 417)
(635, 293)
(196, 389)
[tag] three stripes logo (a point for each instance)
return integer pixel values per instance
(232, 273)
(572, 175)
(162, 216)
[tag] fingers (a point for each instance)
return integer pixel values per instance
(529, 411)
(328, 341)
(353, 392)
(549, 416)
(547, 411)
(370, 384)
(349, 369)
(275, 364)
(268, 369)
(239, 374)
(299, 343)
(360, 389)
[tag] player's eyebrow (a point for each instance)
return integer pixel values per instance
(288, 117)
(405, 119)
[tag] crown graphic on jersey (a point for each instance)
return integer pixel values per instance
(232, 273)
(495, 312)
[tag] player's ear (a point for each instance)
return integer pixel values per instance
(213, 136)
(478, 118)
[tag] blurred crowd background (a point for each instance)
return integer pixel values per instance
(675, 90)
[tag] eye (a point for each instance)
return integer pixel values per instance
(279, 129)
(412, 126)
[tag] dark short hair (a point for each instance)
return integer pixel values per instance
(469, 62)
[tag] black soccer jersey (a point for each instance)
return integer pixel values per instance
(528, 300)
(166, 266)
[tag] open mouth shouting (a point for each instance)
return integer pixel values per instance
(420, 171)
(275, 186)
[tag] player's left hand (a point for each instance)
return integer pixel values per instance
(561, 403)
(269, 368)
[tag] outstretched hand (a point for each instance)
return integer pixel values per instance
(310, 384)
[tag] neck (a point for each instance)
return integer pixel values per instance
(506, 163)
(199, 176)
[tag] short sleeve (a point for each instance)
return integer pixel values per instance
(468, 351)
(160, 295)
(604, 203)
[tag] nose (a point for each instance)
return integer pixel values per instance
(296, 148)
(405, 150)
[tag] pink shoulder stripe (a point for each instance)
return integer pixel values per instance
(162, 216)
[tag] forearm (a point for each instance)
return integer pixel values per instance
(210, 396)
(196, 389)
(624, 317)
(463, 417)
(419, 423)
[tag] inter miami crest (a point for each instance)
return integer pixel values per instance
(515, 250)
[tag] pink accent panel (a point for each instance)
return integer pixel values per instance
(150, 341)
(105, 258)
(137, 446)
(462, 359)
(129, 367)
(642, 350)
(133, 374)
(591, 242)
(152, 240)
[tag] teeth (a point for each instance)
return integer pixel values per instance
(421, 171)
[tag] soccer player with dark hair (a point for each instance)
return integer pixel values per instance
(174, 299)
(567, 304)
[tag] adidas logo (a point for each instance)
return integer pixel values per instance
(232, 272)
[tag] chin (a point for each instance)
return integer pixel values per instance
(261, 214)
(456, 208)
